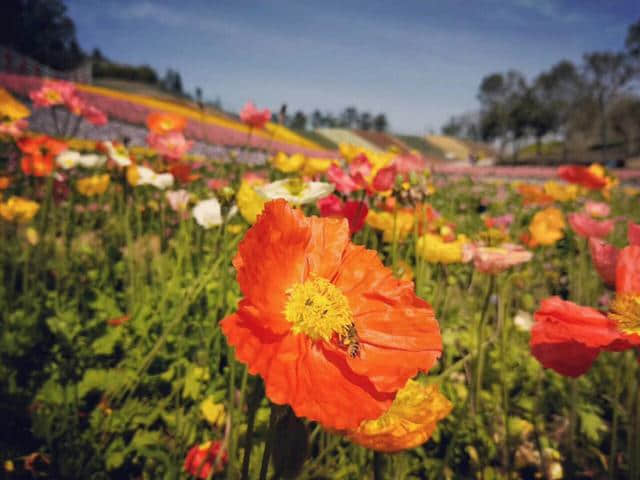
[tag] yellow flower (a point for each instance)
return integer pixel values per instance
(18, 209)
(31, 234)
(11, 108)
(631, 191)
(409, 422)
(384, 221)
(250, 203)
(288, 163)
(434, 249)
(547, 226)
(560, 192)
(4, 183)
(133, 176)
(213, 412)
(315, 166)
(94, 185)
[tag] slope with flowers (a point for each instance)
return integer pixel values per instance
(213, 129)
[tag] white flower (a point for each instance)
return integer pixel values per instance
(178, 200)
(295, 191)
(208, 213)
(68, 159)
(146, 176)
(118, 154)
(523, 321)
(92, 160)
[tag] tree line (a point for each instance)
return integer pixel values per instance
(590, 105)
(350, 118)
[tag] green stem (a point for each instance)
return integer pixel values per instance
(252, 407)
(480, 343)
(614, 426)
(266, 455)
(378, 466)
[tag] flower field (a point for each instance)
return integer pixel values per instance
(315, 316)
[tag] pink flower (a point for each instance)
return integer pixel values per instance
(178, 200)
(585, 226)
(497, 259)
(633, 233)
(597, 209)
(355, 212)
(15, 128)
(502, 222)
(94, 115)
(172, 145)
(342, 180)
(75, 104)
(409, 163)
(217, 183)
(253, 117)
(604, 257)
(384, 179)
(53, 92)
(360, 169)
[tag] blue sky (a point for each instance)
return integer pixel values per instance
(418, 61)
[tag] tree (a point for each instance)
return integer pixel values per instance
(317, 120)
(365, 122)
(380, 123)
(40, 29)
(606, 74)
(452, 128)
(299, 121)
(349, 117)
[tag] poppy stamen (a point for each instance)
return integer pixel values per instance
(318, 309)
(625, 311)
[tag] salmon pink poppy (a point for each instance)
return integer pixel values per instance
(53, 92)
(567, 337)
(582, 176)
(605, 259)
(494, 260)
(597, 209)
(94, 115)
(585, 226)
(172, 145)
(326, 325)
(633, 233)
(253, 117)
(342, 180)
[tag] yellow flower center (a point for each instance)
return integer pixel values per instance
(295, 186)
(318, 309)
(625, 311)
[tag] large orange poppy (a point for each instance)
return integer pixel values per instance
(326, 325)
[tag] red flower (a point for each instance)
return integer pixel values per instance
(354, 211)
(253, 117)
(605, 258)
(384, 179)
(326, 325)
(585, 226)
(568, 337)
(39, 153)
(582, 176)
(182, 172)
(205, 459)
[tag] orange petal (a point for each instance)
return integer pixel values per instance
(315, 382)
